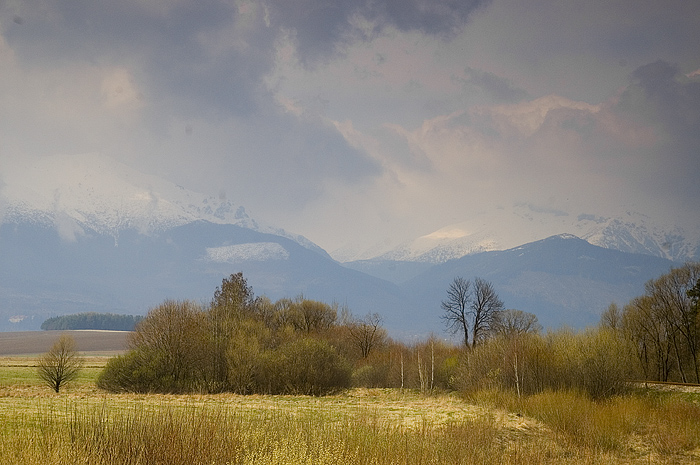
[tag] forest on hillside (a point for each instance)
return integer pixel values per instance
(92, 320)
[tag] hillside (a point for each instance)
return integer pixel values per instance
(42, 276)
(561, 279)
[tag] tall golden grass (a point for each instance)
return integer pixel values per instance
(558, 428)
(217, 435)
(361, 426)
(646, 424)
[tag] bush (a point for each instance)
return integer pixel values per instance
(136, 371)
(305, 366)
(597, 362)
(370, 376)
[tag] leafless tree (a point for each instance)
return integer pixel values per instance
(512, 322)
(611, 318)
(457, 306)
(484, 308)
(471, 309)
(61, 364)
(367, 333)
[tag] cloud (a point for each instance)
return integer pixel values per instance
(321, 28)
(662, 100)
(500, 89)
(349, 112)
(204, 52)
(68, 230)
(636, 150)
(175, 85)
(3, 206)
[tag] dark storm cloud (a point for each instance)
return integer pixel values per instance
(173, 41)
(438, 17)
(669, 100)
(168, 45)
(664, 99)
(320, 26)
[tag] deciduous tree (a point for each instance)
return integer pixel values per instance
(367, 333)
(61, 364)
(484, 308)
(456, 307)
(511, 322)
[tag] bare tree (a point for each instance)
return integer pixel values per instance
(484, 308)
(456, 307)
(510, 323)
(672, 301)
(367, 333)
(61, 364)
(611, 318)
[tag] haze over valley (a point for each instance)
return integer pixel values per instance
(104, 237)
(355, 152)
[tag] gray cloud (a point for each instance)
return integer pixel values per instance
(322, 26)
(211, 51)
(667, 103)
(201, 62)
(219, 102)
(668, 100)
(169, 46)
(500, 89)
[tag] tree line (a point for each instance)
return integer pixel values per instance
(91, 320)
(246, 344)
(662, 326)
(655, 337)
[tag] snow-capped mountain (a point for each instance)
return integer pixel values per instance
(503, 228)
(560, 279)
(77, 194)
(85, 233)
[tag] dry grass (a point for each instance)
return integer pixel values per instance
(361, 426)
(648, 425)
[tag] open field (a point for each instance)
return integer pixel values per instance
(360, 426)
(38, 342)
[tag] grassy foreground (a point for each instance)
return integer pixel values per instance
(84, 425)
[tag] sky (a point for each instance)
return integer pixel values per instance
(363, 122)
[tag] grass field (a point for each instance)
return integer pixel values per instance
(361, 426)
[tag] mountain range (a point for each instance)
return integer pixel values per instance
(85, 233)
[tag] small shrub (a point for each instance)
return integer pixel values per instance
(305, 366)
(369, 376)
(136, 371)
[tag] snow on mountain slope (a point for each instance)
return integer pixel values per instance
(78, 193)
(257, 251)
(503, 228)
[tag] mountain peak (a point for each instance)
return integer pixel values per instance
(508, 227)
(566, 236)
(92, 192)
(96, 192)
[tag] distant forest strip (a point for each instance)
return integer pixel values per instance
(92, 320)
